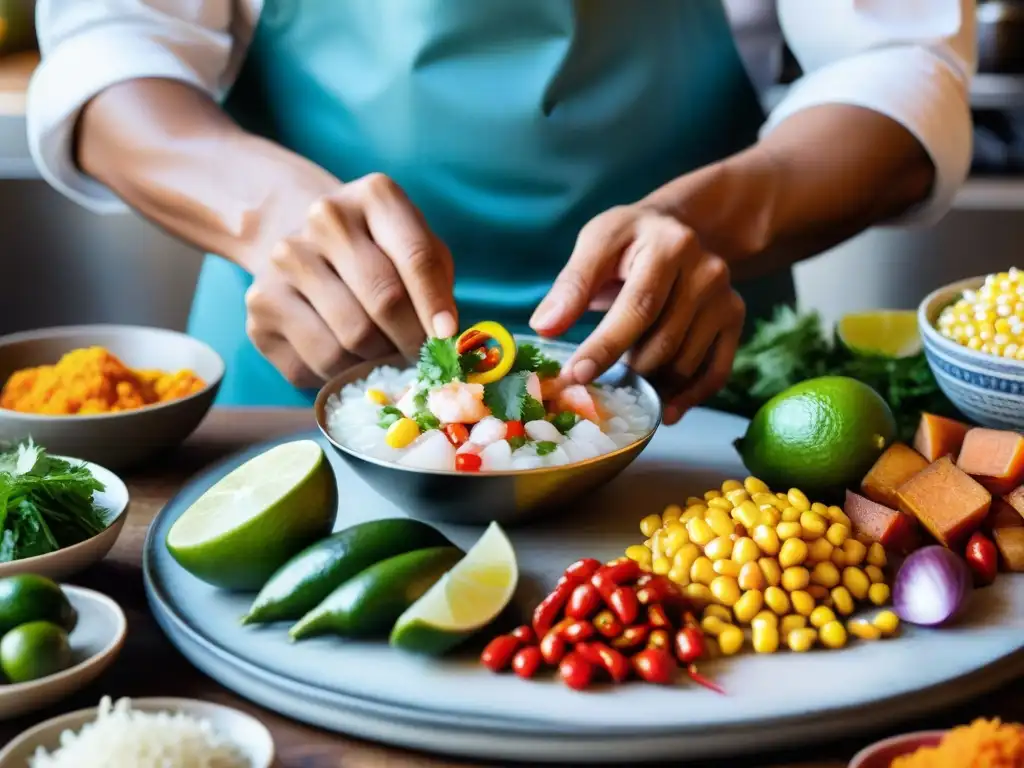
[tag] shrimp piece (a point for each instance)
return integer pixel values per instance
(577, 398)
(458, 403)
(550, 389)
(534, 388)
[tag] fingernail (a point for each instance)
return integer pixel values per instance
(444, 325)
(544, 317)
(671, 415)
(584, 371)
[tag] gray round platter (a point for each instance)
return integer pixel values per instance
(454, 706)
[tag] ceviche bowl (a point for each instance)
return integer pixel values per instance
(507, 496)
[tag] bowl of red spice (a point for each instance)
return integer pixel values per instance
(982, 744)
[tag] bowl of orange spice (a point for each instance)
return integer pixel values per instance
(982, 744)
(115, 395)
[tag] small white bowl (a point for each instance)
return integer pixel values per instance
(70, 560)
(251, 736)
(988, 390)
(95, 642)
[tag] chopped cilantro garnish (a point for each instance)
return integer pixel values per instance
(544, 447)
(564, 421)
(517, 442)
(388, 415)
(439, 363)
(530, 358)
(426, 420)
(468, 361)
(533, 409)
(506, 397)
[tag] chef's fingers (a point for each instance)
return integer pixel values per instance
(715, 303)
(310, 274)
(422, 260)
(340, 232)
(656, 256)
(590, 268)
(660, 345)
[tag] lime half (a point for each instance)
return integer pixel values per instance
(466, 599)
(251, 521)
(889, 333)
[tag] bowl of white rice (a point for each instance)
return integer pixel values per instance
(471, 453)
(144, 733)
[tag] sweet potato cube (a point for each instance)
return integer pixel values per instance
(947, 501)
(993, 457)
(1015, 499)
(894, 530)
(1010, 543)
(898, 464)
(938, 436)
(1002, 515)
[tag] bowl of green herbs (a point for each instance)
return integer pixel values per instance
(58, 515)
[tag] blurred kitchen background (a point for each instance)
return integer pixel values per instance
(65, 265)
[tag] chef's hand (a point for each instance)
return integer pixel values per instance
(362, 277)
(672, 305)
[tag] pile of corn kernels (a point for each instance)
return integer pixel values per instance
(990, 319)
(788, 569)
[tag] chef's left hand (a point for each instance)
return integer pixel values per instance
(672, 307)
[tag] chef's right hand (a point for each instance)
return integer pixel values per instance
(363, 277)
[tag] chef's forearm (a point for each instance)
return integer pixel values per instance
(819, 178)
(170, 152)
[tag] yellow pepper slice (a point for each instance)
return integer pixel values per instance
(506, 346)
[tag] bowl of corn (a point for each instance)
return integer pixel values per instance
(973, 335)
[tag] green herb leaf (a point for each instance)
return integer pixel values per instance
(564, 421)
(506, 397)
(439, 363)
(388, 415)
(425, 420)
(468, 361)
(533, 409)
(544, 447)
(517, 442)
(530, 358)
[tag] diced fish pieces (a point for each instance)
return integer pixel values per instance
(543, 431)
(616, 424)
(533, 388)
(622, 439)
(556, 458)
(579, 451)
(407, 404)
(487, 431)
(469, 447)
(577, 398)
(431, 451)
(496, 457)
(527, 462)
(587, 431)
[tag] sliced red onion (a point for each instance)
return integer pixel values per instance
(931, 587)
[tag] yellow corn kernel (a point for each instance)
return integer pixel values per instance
(702, 571)
(750, 577)
(855, 580)
(790, 515)
(836, 515)
(745, 551)
(698, 594)
(813, 525)
(737, 496)
(771, 570)
(720, 522)
(719, 548)
(763, 616)
(730, 641)
(771, 516)
(674, 538)
(788, 530)
(661, 566)
(842, 600)
(782, 496)
(725, 590)
(650, 525)
(748, 514)
(657, 544)
(731, 485)
(726, 568)
(639, 553)
(839, 557)
(795, 578)
(819, 593)
(754, 485)
(672, 513)
(832, 635)
(709, 495)
(798, 499)
(767, 539)
(763, 500)
(855, 551)
(712, 625)
(377, 397)
(863, 629)
(801, 639)
(876, 555)
(888, 622)
(793, 552)
(692, 511)
(802, 602)
(819, 551)
(878, 594)
(826, 575)
(777, 599)
(695, 501)
(719, 611)
(700, 532)
(820, 509)
(748, 606)
(821, 616)
(721, 503)
(401, 433)
(836, 534)
(790, 622)
(875, 574)
(765, 638)
(679, 576)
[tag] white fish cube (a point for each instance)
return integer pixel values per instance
(556, 458)
(470, 447)
(622, 439)
(543, 431)
(430, 451)
(588, 432)
(407, 405)
(616, 424)
(487, 431)
(578, 451)
(526, 462)
(496, 457)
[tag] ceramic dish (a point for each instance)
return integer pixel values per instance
(70, 560)
(95, 642)
(882, 753)
(509, 497)
(251, 736)
(116, 440)
(989, 390)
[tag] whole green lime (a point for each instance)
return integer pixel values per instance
(28, 597)
(34, 650)
(820, 436)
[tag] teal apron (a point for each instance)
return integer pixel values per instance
(510, 123)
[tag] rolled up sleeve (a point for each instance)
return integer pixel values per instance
(89, 46)
(910, 60)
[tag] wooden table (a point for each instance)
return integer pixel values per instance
(150, 666)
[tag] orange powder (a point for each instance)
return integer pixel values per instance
(982, 744)
(92, 380)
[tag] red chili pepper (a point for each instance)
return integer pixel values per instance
(614, 663)
(499, 652)
(657, 616)
(655, 665)
(547, 610)
(583, 602)
(659, 638)
(581, 570)
(608, 577)
(699, 679)
(491, 359)
(690, 645)
(657, 589)
(514, 429)
(467, 462)
(576, 671)
(527, 661)
(588, 650)
(552, 648)
(578, 631)
(632, 637)
(457, 434)
(623, 602)
(982, 557)
(524, 634)
(470, 340)
(606, 623)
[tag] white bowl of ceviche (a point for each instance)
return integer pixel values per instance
(486, 410)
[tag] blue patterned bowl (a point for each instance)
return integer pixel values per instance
(988, 390)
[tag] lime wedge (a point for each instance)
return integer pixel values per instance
(466, 599)
(256, 517)
(890, 333)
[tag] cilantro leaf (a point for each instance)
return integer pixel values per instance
(387, 416)
(564, 421)
(517, 442)
(506, 397)
(533, 409)
(530, 358)
(439, 363)
(544, 447)
(425, 420)
(468, 361)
